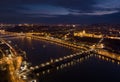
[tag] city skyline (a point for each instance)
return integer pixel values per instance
(60, 11)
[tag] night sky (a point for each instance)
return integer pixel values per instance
(60, 11)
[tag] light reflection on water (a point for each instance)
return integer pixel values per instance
(65, 65)
(40, 51)
(88, 68)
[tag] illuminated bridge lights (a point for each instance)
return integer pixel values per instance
(64, 57)
(36, 67)
(56, 60)
(60, 59)
(43, 65)
(97, 49)
(59, 41)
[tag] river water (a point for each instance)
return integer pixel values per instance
(92, 69)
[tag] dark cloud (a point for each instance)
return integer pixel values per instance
(60, 11)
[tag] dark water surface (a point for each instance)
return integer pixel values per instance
(91, 70)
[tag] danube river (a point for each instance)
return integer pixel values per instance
(91, 69)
